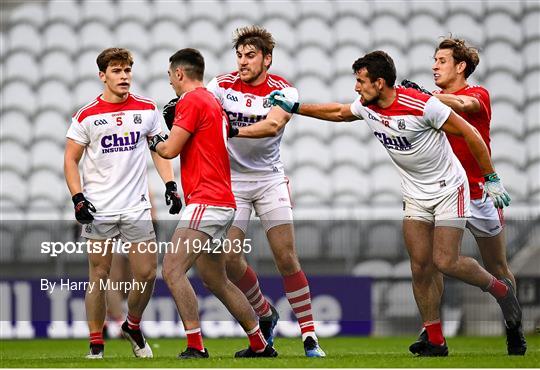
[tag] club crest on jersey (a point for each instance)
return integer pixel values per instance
(137, 119)
(117, 143)
(394, 142)
(266, 103)
(401, 124)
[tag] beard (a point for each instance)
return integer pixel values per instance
(365, 102)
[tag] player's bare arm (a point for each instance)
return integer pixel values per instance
(460, 103)
(72, 155)
(334, 112)
(455, 125)
(163, 166)
(172, 146)
(270, 126)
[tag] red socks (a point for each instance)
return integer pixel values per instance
(256, 339)
(497, 288)
(434, 332)
(194, 339)
(249, 285)
(133, 322)
(97, 338)
(297, 291)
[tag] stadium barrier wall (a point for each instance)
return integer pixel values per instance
(32, 309)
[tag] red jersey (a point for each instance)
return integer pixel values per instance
(205, 167)
(481, 121)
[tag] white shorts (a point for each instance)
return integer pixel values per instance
(486, 220)
(133, 227)
(265, 196)
(211, 220)
(449, 210)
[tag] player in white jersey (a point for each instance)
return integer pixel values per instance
(454, 62)
(412, 126)
(258, 178)
(113, 202)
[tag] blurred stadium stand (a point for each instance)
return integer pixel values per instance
(48, 51)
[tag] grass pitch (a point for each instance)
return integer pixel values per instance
(341, 352)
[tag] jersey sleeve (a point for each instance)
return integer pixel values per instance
(357, 108)
(156, 126)
(436, 113)
(187, 114)
(78, 132)
(214, 88)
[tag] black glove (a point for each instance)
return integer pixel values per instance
(172, 198)
(155, 140)
(414, 85)
(233, 131)
(83, 208)
(168, 112)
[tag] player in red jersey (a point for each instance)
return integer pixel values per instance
(412, 126)
(199, 134)
(259, 181)
(454, 63)
(111, 132)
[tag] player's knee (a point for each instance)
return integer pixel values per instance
(147, 274)
(444, 264)
(422, 270)
(100, 272)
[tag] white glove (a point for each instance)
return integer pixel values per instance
(494, 188)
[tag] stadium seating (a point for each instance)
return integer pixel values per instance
(14, 158)
(21, 65)
(506, 117)
(507, 148)
(49, 71)
(49, 66)
(16, 126)
(61, 36)
(350, 187)
(384, 240)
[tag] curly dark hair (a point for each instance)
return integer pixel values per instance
(379, 65)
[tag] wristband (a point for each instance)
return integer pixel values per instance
(77, 198)
(492, 177)
(171, 186)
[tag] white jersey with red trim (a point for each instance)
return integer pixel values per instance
(114, 163)
(245, 105)
(409, 129)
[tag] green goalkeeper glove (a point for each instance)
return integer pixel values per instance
(278, 98)
(494, 188)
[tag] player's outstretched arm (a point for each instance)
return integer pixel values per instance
(460, 103)
(455, 125)
(335, 112)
